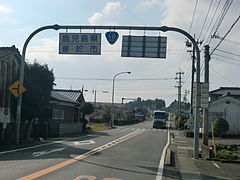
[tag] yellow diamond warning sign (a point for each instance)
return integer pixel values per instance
(17, 88)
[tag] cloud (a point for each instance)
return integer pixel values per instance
(4, 15)
(108, 14)
(4, 10)
(149, 4)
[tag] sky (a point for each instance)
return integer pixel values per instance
(150, 78)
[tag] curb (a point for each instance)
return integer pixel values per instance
(170, 156)
(224, 160)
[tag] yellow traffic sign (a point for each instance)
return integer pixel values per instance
(17, 88)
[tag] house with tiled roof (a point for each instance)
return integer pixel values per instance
(65, 112)
(225, 103)
(65, 105)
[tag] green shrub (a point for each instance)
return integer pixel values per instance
(226, 155)
(180, 121)
(220, 126)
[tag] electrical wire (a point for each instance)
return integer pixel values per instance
(213, 16)
(193, 16)
(223, 76)
(227, 52)
(205, 20)
(220, 18)
(235, 22)
(105, 79)
(225, 61)
(229, 58)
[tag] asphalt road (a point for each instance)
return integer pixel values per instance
(126, 153)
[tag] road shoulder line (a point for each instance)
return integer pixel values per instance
(162, 159)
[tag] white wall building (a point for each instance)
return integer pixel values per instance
(226, 106)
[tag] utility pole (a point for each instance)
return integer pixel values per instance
(205, 110)
(179, 86)
(188, 44)
(95, 98)
(186, 92)
(122, 112)
(192, 82)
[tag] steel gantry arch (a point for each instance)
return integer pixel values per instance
(140, 28)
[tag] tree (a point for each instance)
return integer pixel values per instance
(38, 81)
(86, 108)
(220, 126)
(106, 114)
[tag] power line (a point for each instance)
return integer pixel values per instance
(227, 52)
(224, 76)
(215, 11)
(234, 42)
(224, 12)
(225, 35)
(205, 19)
(196, 2)
(226, 61)
(105, 79)
(229, 58)
(220, 18)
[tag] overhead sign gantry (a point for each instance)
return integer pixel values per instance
(138, 28)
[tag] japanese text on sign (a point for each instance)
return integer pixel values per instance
(80, 43)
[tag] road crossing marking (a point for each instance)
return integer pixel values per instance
(82, 156)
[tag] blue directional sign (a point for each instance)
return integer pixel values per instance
(111, 36)
(80, 43)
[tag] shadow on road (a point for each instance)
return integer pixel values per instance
(121, 169)
(172, 173)
(62, 149)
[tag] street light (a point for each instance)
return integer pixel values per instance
(112, 122)
(122, 106)
(95, 97)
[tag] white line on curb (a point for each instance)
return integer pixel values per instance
(161, 162)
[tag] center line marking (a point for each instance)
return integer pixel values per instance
(82, 156)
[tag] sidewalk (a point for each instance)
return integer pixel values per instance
(187, 168)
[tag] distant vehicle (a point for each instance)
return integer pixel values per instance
(159, 119)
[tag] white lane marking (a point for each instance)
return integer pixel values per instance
(161, 162)
(125, 130)
(110, 143)
(215, 164)
(77, 143)
(40, 145)
(40, 153)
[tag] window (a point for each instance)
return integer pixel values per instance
(58, 114)
(159, 115)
